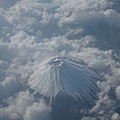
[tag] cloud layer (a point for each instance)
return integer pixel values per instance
(35, 30)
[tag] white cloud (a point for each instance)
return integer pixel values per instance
(88, 118)
(3, 65)
(38, 111)
(16, 106)
(118, 92)
(7, 4)
(35, 30)
(7, 52)
(115, 116)
(25, 106)
(9, 87)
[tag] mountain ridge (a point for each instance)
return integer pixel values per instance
(65, 75)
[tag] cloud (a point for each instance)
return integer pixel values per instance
(115, 116)
(35, 30)
(7, 4)
(118, 92)
(38, 111)
(16, 106)
(9, 87)
(6, 27)
(24, 106)
(88, 118)
(7, 52)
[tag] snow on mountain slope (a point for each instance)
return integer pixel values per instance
(65, 75)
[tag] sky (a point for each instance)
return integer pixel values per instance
(32, 31)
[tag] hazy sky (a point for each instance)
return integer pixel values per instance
(32, 31)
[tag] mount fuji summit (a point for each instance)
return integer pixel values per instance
(67, 84)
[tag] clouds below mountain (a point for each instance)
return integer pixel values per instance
(35, 30)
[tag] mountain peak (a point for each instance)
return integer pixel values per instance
(65, 75)
(56, 62)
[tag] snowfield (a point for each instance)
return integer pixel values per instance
(65, 75)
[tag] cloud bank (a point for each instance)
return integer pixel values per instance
(32, 31)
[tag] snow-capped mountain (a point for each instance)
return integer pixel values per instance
(65, 75)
